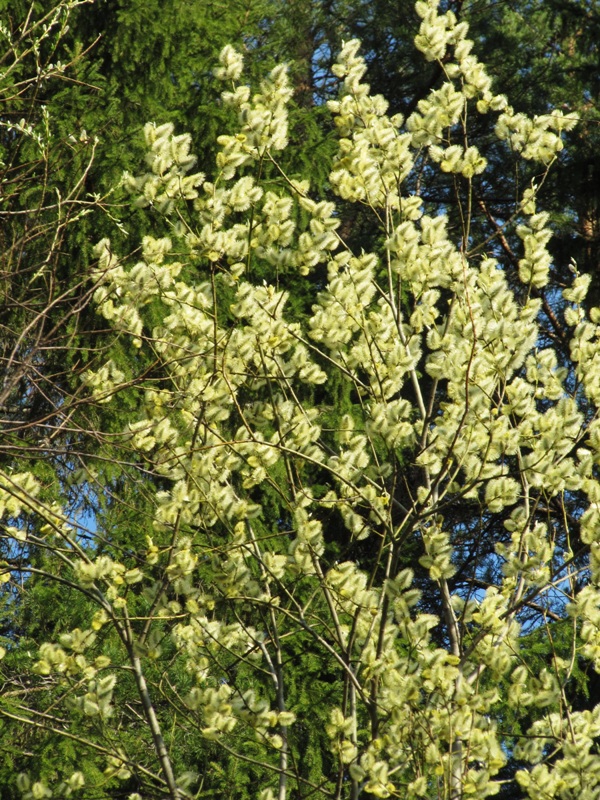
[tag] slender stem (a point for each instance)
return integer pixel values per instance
(159, 742)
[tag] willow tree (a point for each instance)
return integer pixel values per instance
(357, 583)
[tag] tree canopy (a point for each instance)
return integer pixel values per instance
(299, 489)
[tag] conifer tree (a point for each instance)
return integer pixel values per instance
(43, 198)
